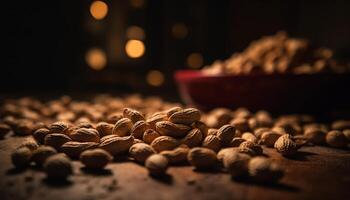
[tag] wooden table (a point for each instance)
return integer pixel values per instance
(316, 173)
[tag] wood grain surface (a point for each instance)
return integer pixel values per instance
(315, 173)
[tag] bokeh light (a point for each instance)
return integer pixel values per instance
(99, 9)
(179, 30)
(135, 32)
(96, 59)
(155, 78)
(137, 3)
(195, 60)
(134, 48)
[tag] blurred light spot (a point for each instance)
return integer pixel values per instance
(137, 3)
(98, 9)
(96, 59)
(135, 32)
(179, 30)
(155, 78)
(135, 48)
(195, 60)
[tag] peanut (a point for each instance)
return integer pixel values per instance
(268, 138)
(73, 149)
(85, 135)
(21, 157)
(177, 155)
(193, 138)
(141, 151)
(139, 128)
(104, 128)
(122, 127)
(42, 153)
(202, 158)
(250, 148)
(58, 166)
(95, 158)
(185, 116)
(157, 164)
(133, 115)
(58, 127)
(117, 145)
(235, 142)
(163, 143)
(212, 142)
(167, 128)
(226, 134)
(149, 135)
(40, 134)
(336, 139)
(315, 135)
(56, 140)
(236, 163)
(249, 137)
(285, 145)
(262, 169)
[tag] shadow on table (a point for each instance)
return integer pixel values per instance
(59, 183)
(97, 172)
(277, 186)
(301, 156)
(164, 178)
(15, 170)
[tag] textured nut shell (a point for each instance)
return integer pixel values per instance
(58, 167)
(42, 153)
(104, 128)
(201, 126)
(56, 140)
(193, 138)
(73, 149)
(149, 135)
(172, 110)
(58, 127)
(250, 148)
(122, 127)
(85, 135)
(40, 134)
(157, 117)
(285, 145)
(177, 155)
(133, 115)
(235, 142)
(167, 128)
(30, 144)
(212, 142)
(139, 128)
(95, 158)
(163, 143)
(141, 151)
(108, 137)
(157, 164)
(200, 157)
(117, 145)
(185, 116)
(226, 134)
(341, 125)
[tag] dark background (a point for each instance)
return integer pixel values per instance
(44, 42)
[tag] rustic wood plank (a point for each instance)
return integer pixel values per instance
(316, 173)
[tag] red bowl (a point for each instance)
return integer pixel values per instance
(278, 92)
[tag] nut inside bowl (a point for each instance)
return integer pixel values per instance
(274, 92)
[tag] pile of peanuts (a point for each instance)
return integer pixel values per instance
(279, 54)
(158, 134)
